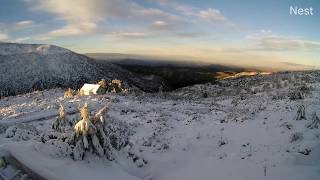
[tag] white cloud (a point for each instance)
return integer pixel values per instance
(131, 35)
(6, 29)
(23, 25)
(22, 39)
(83, 16)
(276, 43)
(211, 15)
(3, 36)
(161, 25)
(266, 40)
(70, 30)
(187, 10)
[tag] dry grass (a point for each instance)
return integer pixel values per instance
(80, 92)
(116, 81)
(103, 83)
(116, 86)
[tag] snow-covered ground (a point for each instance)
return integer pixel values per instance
(240, 129)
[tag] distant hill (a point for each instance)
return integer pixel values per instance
(148, 60)
(144, 60)
(28, 67)
(176, 73)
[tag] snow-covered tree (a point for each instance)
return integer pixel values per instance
(90, 135)
(301, 113)
(315, 121)
(61, 122)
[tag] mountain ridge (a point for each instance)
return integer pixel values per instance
(28, 67)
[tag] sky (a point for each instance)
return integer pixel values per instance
(250, 32)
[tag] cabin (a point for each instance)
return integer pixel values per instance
(89, 89)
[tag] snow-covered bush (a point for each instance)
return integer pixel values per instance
(315, 121)
(85, 137)
(3, 128)
(21, 132)
(96, 135)
(296, 95)
(58, 148)
(297, 136)
(301, 113)
(61, 122)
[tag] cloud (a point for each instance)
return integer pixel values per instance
(183, 8)
(161, 25)
(297, 66)
(212, 15)
(276, 43)
(7, 28)
(130, 35)
(86, 16)
(22, 39)
(83, 16)
(21, 25)
(70, 30)
(3, 36)
(189, 34)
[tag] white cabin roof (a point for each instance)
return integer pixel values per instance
(90, 88)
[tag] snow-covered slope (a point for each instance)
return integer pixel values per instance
(28, 67)
(12, 49)
(240, 129)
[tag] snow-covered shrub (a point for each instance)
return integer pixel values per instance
(61, 122)
(85, 136)
(301, 113)
(58, 148)
(276, 96)
(48, 135)
(305, 88)
(296, 95)
(315, 121)
(97, 135)
(3, 128)
(283, 83)
(286, 125)
(297, 136)
(267, 86)
(21, 132)
(255, 90)
(140, 162)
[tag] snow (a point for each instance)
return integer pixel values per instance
(28, 67)
(233, 133)
(13, 49)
